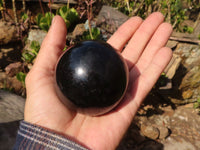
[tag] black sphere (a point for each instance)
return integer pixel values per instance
(92, 74)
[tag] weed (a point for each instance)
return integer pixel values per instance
(24, 16)
(171, 9)
(70, 15)
(188, 29)
(96, 34)
(44, 22)
(29, 55)
(21, 77)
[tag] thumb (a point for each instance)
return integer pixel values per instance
(52, 45)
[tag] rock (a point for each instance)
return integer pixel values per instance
(173, 65)
(164, 132)
(56, 6)
(172, 44)
(190, 84)
(8, 133)
(13, 68)
(11, 83)
(187, 94)
(180, 35)
(110, 19)
(180, 144)
(184, 126)
(8, 33)
(150, 131)
(78, 30)
(7, 50)
(177, 126)
(16, 85)
(189, 53)
(167, 86)
(36, 35)
(189, 73)
(191, 81)
(197, 29)
(11, 107)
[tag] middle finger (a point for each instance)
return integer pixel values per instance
(137, 43)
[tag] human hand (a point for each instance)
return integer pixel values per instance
(146, 57)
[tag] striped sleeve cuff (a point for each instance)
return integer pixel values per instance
(34, 137)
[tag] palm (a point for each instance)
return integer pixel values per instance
(148, 56)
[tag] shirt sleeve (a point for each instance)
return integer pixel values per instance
(34, 137)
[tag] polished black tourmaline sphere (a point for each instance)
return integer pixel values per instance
(92, 74)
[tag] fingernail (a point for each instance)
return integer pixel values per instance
(53, 20)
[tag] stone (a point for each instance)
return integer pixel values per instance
(164, 132)
(110, 19)
(187, 94)
(11, 107)
(78, 30)
(181, 144)
(178, 129)
(8, 133)
(13, 68)
(8, 33)
(2, 80)
(189, 53)
(36, 35)
(56, 6)
(11, 83)
(190, 84)
(180, 35)
(7, 50)
(167, 86)
(171, 44)
(150, 131)
(16, 85)
(196, 31)
(173, 65)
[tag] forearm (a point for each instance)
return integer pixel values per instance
(35, 137)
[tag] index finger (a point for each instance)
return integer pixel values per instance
(124, 33)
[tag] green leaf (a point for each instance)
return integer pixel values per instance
(72, 15)
(35, 45)
(21, 77)
(24, 16)
(44, 22)
(1, 3)
(30, 55)
(96, 33)
(27, 56)
(69, 15)
(38, 19)
(196, 105)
